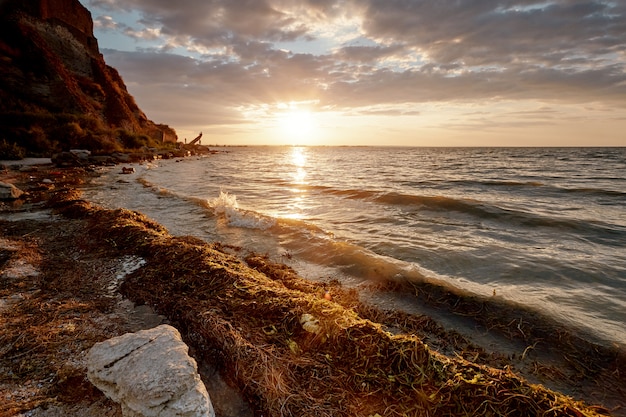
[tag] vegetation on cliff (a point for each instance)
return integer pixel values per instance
(56, 91)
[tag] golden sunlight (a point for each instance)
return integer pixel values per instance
(298, 126)
(298, 158)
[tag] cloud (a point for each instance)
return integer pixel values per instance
(499, 33)
(397, 54)
(213, 22)
(368, 54)
(105, 23)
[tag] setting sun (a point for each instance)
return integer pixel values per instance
(298, 126)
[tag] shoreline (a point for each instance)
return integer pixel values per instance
(589, 370)
(50, 264)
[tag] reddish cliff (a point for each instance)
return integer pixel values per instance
(71, 14)
(56, 91)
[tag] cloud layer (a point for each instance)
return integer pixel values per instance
(366, 55)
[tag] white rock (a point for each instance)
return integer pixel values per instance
(150, 374)
(81, 153)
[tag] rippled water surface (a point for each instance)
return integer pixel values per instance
(545, 227)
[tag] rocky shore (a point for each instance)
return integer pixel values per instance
(73, 274)
(59, 296)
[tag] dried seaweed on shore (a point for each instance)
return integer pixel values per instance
(52, 309)
(293, 352)
(287, 347)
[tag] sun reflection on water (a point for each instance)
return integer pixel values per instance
(296, 205)
(298, 159)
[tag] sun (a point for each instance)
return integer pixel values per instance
(297, 121)
(297, 126)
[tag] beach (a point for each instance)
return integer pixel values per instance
(75, 273)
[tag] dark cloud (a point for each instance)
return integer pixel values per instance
(213, 22)
(406, 52)
(499, 32)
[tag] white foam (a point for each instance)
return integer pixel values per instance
(226, 205)
(127, 265)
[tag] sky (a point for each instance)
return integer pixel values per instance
(374, 72)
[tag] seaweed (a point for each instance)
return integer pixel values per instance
(293, 347)
(292, 351)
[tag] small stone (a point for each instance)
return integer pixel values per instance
(9, 191)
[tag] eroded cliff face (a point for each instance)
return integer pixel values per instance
(70, 14)
(52, 73)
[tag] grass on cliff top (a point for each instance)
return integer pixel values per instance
(292, 351)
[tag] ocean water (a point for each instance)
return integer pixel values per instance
(543, 227)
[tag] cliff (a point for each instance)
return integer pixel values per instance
(56, 91)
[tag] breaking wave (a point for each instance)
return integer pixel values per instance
(226, 206)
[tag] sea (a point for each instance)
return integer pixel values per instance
(544, 228)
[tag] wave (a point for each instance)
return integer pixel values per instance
(596, 231)
(614, 197)
(361, 263)
(313, 245)
(159, 190)
(500, 183)
(610, 197)
(226, 205)
(597, 192)
(436, 203)
(486, 184)
(167, 193)
(310, 242)
(316, 246)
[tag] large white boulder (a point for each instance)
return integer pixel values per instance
(150, 374)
